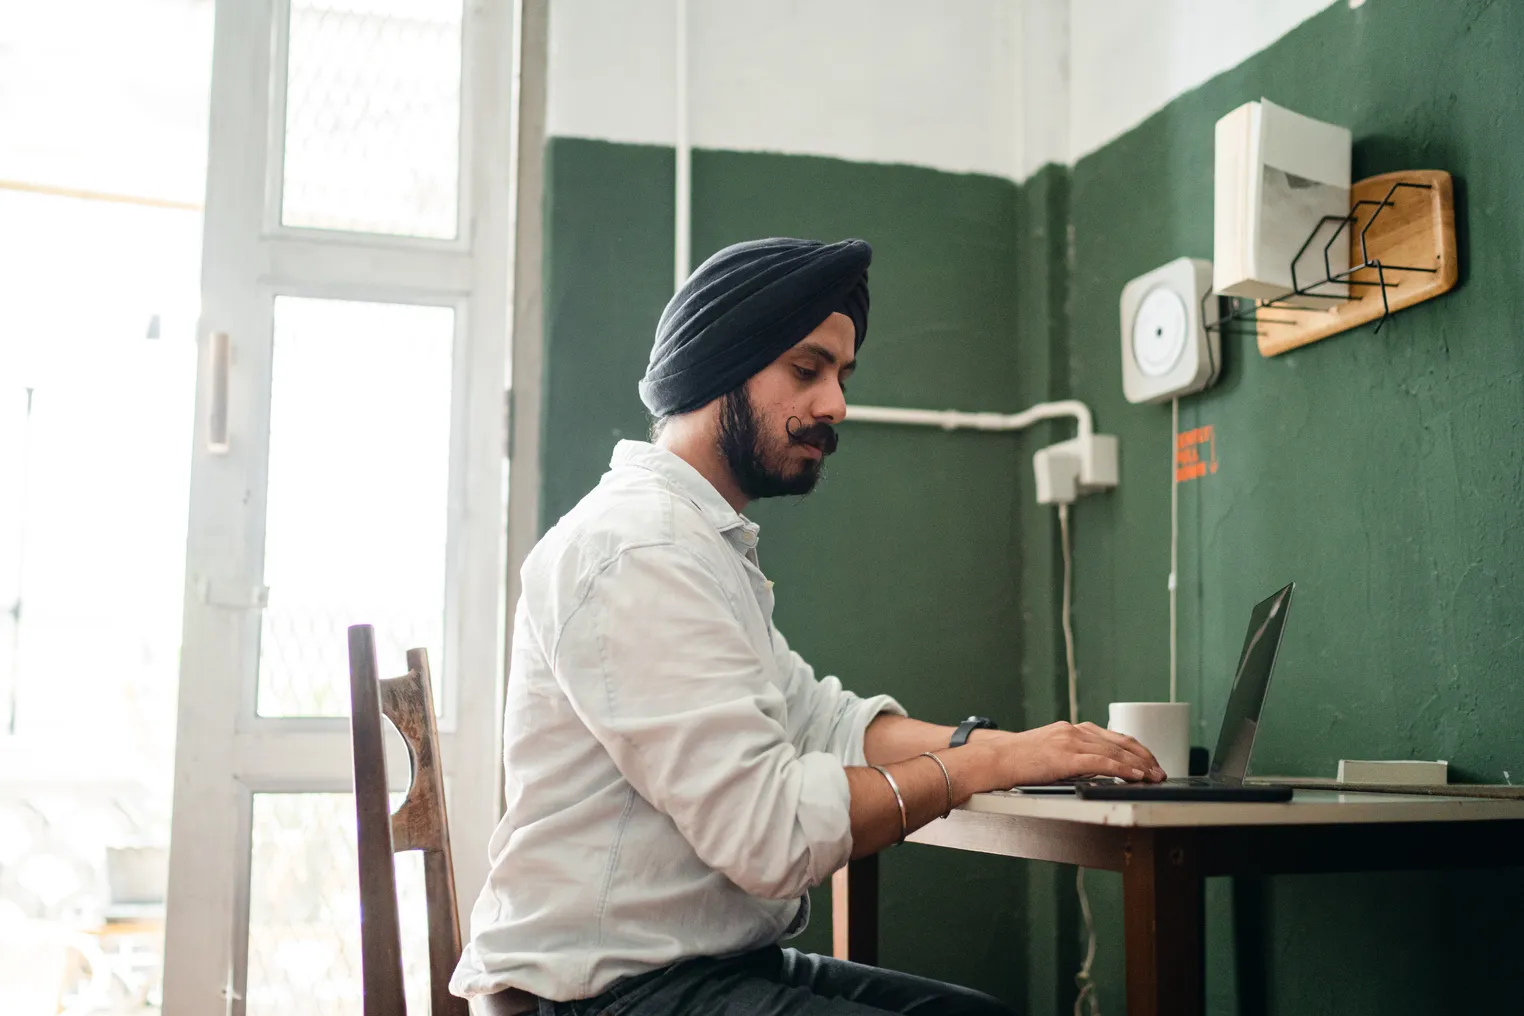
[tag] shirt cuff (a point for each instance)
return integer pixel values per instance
(866, 712)
(825, 814)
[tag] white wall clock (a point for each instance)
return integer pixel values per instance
(1166, 351)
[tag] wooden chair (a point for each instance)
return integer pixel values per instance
(420, 824)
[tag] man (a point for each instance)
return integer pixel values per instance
(677, 777)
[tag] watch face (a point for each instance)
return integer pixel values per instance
(1159, 332)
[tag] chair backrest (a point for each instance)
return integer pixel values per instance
(420, 824)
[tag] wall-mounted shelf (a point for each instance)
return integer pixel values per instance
(1401, 236)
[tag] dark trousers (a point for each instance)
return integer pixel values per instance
(779, 982)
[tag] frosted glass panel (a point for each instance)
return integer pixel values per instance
(304, 910)
(373, 116)
(358, 492)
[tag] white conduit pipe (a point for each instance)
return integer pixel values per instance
(683, 217)
(949, 419)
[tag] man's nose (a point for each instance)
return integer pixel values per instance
(832, 407)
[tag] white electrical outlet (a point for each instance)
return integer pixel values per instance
(1071, 469)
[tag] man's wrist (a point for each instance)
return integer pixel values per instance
(977, 768)
(966, 729)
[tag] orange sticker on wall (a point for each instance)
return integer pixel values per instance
(1189, 461)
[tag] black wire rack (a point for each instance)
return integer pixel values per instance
(1242, 309)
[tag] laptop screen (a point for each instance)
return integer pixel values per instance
(1241, 720)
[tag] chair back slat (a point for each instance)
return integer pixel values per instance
(420, 823)
(380, 934)
(408, 702)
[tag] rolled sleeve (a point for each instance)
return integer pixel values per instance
(823, 715)
(657, 664)
(857, 716)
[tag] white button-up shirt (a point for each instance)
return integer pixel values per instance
(675, 776)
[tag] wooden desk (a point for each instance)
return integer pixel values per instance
(1165, 849)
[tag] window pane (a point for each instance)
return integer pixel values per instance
(358, 490)
(304, 910)
(373, 116)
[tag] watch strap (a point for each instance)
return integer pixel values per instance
(967, 727)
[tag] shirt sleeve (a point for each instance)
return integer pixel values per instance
(824, 716)
(656, 662)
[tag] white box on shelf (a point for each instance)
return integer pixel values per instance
(1276, 175)
(1394, 772)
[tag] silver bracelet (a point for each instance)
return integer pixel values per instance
(946, 776)
(898, 797)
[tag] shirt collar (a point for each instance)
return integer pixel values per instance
(689, 482)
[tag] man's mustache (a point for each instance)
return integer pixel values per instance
(820, 435)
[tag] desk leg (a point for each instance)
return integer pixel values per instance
(854, 911)
(1164, 903)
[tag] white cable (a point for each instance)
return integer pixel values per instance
(1083, 979)
(1063, 533)
(682, 226)
(1174, 545)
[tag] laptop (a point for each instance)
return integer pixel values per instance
(1240, 722)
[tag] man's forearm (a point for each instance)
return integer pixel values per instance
(928, 794)
(992, 760)
(895, 738)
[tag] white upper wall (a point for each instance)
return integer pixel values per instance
(872, 80)
(869, 80)
(1042, 119)
(986, 86)
(1129, 59)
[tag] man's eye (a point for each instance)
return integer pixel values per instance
(805, 373)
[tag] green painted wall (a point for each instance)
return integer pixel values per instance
(1382, 473)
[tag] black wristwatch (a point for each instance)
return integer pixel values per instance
(968, 726)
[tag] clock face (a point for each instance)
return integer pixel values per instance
(1159, 332)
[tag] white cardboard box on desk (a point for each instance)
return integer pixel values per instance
(1276, 175)
(1394, 772)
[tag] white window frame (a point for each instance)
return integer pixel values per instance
(275, 153)
(225, 753)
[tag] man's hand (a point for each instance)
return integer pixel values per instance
(1062, 750)
(1000, 759)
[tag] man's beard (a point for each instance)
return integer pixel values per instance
(758, 473)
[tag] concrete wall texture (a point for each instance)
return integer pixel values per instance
(1382, 473)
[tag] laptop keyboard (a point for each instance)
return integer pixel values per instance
(1179, 781)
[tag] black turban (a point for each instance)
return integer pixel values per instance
(744, 308)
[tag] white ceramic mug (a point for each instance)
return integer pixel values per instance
(1164, 728)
